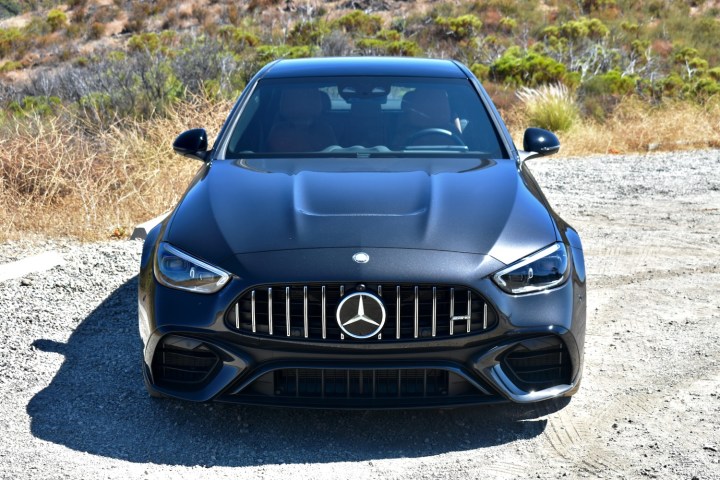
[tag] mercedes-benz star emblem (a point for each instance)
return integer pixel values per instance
(361, 257)
(361, 315)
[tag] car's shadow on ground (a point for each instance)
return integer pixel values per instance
(96, 403)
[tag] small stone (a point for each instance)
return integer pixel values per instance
(26, 282)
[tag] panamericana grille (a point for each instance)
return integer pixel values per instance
(412, 311)
(542, 367)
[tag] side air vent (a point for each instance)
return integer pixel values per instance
(538, 364)
(183, 363)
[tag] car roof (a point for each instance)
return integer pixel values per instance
(365, 66)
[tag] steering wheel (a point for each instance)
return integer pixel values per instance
(435, 131)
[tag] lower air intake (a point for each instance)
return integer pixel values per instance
(538, 364)
(183, 363)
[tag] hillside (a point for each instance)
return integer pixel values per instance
(602, 48)
(92, 92)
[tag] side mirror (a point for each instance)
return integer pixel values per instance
(540, 143)
(192, 143)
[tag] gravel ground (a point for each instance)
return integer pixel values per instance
(72, 404)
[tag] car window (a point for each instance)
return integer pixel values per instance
(364, 116)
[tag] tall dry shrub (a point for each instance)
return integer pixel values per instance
(551, 107)
(636, 126)
(59, 177)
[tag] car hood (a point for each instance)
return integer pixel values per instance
(453, 205)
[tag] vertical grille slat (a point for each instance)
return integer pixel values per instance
(414, 312)
(417, 313)
(469, 311)
(485, 319)
(324, 316)
(452, 311)
(397, 313)
(434, 312)
(305, 311)
(270, 312)
(254, 326)
(287, 310)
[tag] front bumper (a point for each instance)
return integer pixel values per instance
(533, 352)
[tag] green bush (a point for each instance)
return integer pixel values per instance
(672, 85)
(378, 46)
(268, 53)
(583, 28)
(714, 73)
(308, 32)
(518, 67)
(462, 28)
(237, 38)
(35, 105)
(359, 22)
(481, 71)
(9, 66)
(610, 83)
(56, 19)
(703, 88)
(12, 40)
(684, 54)
(152, 42)
(507, 24)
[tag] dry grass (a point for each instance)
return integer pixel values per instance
(551, 107)
(58, 177)
(636, 126)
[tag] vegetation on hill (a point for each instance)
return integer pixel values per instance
(90, 81)
(135, 58)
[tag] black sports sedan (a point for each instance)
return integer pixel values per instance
(363, 234)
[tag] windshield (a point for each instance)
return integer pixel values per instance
(358, 116)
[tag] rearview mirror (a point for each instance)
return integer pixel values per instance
(192, 143)
(540, 142)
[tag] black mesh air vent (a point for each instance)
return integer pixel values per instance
(183, 363)
(538, 364)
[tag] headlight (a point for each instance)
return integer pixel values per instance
(545, 269)
(176, 269)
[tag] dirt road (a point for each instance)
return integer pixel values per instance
(72, 403)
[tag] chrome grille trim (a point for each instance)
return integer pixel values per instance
(484, 317)
(305, 310)
(417, 312)
(452, 311)
(324, 315)
(420, 311)
(270, 315)
(237, 312)
(287, 310)
(397, 313)
(434, 312)
(469, 311)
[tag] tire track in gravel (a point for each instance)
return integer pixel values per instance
(573, 434)
(571, 438)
